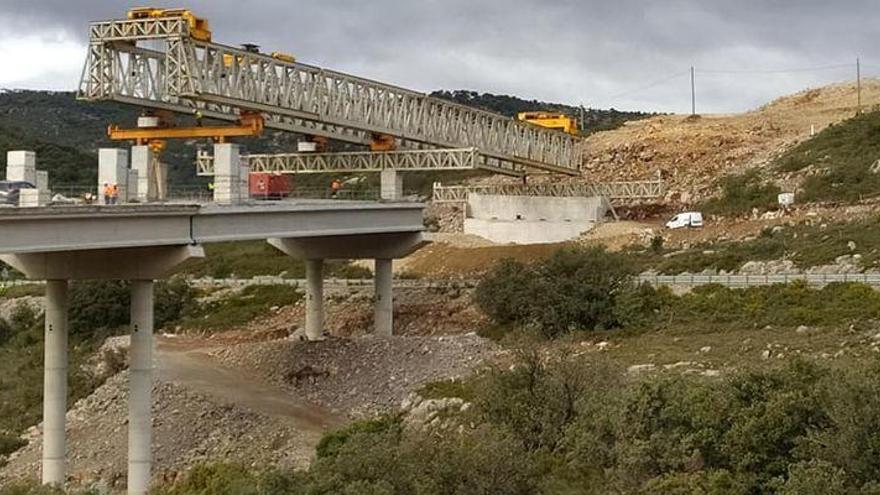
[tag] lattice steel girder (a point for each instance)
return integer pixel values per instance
(611, 190)
(361, 161)
(192, 74)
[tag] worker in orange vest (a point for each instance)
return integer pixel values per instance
(108, 193)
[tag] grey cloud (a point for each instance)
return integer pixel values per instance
(565, 50)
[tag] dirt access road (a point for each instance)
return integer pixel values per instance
(192, 367)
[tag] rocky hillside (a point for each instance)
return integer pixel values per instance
(692, 153)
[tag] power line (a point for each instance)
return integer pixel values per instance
(651, 85)
(776, 71)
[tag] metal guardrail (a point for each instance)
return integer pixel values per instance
(742, 281)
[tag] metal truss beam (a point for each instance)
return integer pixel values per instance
(610, 190)
(185, 75)
(363, 161)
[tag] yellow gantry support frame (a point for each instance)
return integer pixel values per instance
(248, 125)
(558, 121)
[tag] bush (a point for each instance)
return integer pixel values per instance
(573, 289)
(239, 308)
(173, 299)
(740, 194)
(331, 443)
(227, 479)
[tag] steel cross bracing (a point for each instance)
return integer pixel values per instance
(185, 74)
(610, 190)
(361, 161)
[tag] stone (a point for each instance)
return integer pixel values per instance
(640, 368)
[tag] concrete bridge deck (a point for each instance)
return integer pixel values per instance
(79, 227)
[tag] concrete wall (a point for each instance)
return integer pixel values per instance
(531, 219)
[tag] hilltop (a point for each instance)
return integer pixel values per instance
(692, 153)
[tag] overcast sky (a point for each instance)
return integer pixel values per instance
(627, 54)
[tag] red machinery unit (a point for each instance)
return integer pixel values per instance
(268, 185)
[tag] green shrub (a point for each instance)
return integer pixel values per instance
(740, 194)
(228, 479)
(173, 299)
(331, 443)
(31, 488)
(815, 478)
(713, 482)
(239, 308)
(6, 331)
(573, 289)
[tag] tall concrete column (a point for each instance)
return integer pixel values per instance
(141, 162)
(55, 384)
(227, 173)
(384, 317)
(314, 299)
(390, 184)
(140, 381)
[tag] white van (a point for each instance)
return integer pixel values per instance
(686, 219)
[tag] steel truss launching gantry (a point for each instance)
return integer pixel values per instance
(361, 161)
(612, 190)
(158, 64)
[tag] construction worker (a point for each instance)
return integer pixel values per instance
(108, 193)
(114, 193)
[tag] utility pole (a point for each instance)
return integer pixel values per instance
(693, 93)
(859, 84)
(583, 122)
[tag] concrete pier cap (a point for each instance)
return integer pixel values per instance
(383, 248)
(141, 263)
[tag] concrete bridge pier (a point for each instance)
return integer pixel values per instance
(390, 185)
(139, 265)
(384, 312)
(55, 384)
(140, 383)
(383, 248)
(315, 299)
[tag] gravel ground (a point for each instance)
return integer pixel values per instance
(360, 376)
(188, 428)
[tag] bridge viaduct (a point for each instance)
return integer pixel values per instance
(143, 243)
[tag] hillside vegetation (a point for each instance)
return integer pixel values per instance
(837, 162)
